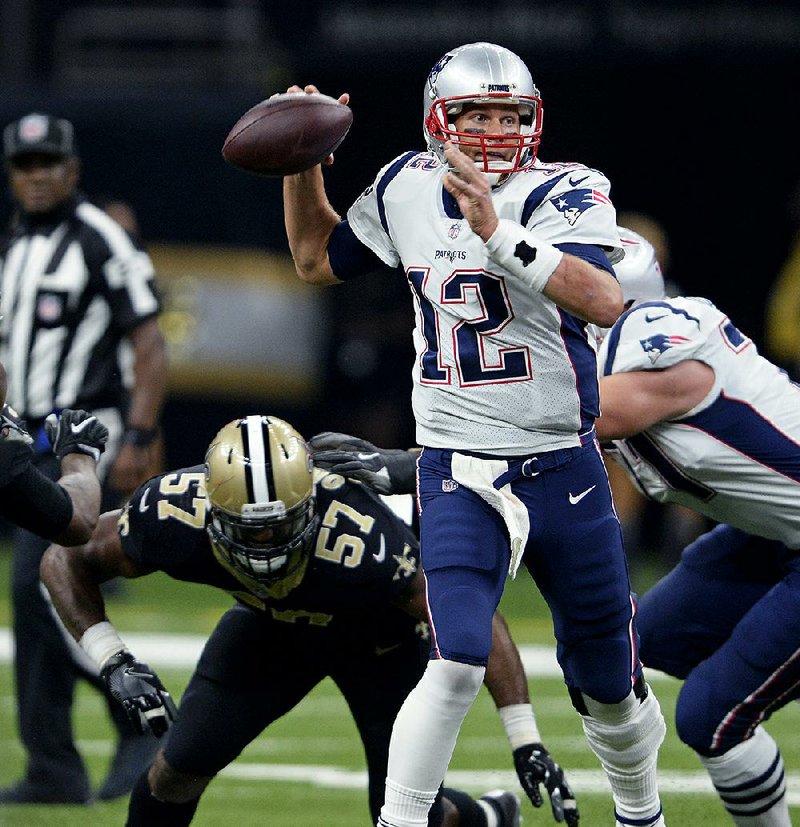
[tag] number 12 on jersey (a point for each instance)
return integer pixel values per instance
(492, 312)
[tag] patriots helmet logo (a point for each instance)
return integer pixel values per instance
(433, 75)
(659, 343)
(573, 204)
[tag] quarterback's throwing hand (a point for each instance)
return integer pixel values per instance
(140, 691)
(387, 471)
(535, 766)
(76, 432)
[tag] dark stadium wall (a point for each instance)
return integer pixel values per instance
(688, 116)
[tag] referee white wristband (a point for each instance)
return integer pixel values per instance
(519, 723)
(101, 642)
(519, 251)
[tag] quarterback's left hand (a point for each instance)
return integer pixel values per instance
(76, 432)
(535, 766)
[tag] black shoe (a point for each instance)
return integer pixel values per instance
(134, 755)
(27, 792)
(507, 806)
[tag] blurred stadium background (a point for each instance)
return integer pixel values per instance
(686, 107)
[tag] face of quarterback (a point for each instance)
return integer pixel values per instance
(493, 119)
(40, 182)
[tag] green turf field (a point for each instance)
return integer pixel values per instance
(308, 769)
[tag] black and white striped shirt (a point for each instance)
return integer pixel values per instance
(73, 285)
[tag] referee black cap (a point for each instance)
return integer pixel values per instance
(37, 133)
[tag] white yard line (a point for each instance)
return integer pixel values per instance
(184, 650)
(582, 781)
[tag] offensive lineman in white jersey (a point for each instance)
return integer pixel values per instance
(507, 259)
(698, 417)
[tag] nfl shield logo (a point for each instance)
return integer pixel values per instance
(454, 230)
(449, 485)
(49, 308)
(33, 128)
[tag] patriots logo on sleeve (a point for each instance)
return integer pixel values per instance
(573, 204)
(659, 343)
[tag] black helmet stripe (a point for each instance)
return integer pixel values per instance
(258, 473)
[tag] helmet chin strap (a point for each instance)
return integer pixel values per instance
(497, 178)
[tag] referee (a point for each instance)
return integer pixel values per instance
(79, 330)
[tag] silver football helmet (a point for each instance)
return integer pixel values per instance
(639, 273)
(259, 480)
(482, 73)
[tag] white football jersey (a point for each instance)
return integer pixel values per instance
(735, 457)
(499, 368)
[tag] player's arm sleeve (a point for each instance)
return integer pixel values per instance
(37, 503)
(653, 336)
(368, 219)
(563, 212)
(348, 256)
(151, 536)
(592, 253)
(138, 525)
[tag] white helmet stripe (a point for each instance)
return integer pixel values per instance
(258, 458)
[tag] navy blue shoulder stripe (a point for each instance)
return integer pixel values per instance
(537, 196)
(386, 179)
(741, 427)
(592, 253)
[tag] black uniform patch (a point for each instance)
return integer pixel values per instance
(525, 253)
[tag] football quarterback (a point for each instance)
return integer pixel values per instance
(327, 583)
(509, 258)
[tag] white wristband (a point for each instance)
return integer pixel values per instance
(101, 642)
(519, 251)
(519, 723)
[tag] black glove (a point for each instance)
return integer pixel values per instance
(385, 470)
(142, 695)
(535, 766)
(76, 432)
(12, 420)
(15, 446)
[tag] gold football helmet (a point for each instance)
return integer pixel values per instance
(261, 497)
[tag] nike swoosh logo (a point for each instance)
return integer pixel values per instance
(649, 318)
(366, 457)
(574, 499)
(381, 555)
(76, 429)
(579, 181)
(382, 650)
(143, 505)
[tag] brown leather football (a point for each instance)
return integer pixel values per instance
(287, 133)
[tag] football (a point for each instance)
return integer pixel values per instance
(287, 133)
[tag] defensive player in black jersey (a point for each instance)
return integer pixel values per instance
(328, 584)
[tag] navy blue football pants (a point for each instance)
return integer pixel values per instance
(726, 619)
(574, 554)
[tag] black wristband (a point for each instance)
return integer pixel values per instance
(140, 437)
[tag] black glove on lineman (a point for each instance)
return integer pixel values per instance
(535, 766)
(76, 432)
(140, 691)
(15, 446)
(385, 470)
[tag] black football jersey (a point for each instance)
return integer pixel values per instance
(365, 556)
